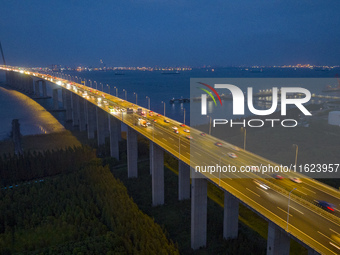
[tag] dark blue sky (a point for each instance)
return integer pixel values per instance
(170, 32)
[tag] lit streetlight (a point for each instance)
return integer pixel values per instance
(148, 102)
(96, 85)
(90, 83)
(288, 207)
(108, 87)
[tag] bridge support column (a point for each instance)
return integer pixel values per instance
(183, 181)
(67, 104)
(151, 156)
(55, 99)
(119, 130)
(91, 117)
(132, 152)
(198, 213)
(230, 220)
(43, 82)
(36, 89)
(157, 161)
(75, 104)
(278, 242)
(114, 136)
(81, 114)
(102, 126)
(30, 87)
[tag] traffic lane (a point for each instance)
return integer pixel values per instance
(300, 217)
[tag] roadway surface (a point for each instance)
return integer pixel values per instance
(312, 225)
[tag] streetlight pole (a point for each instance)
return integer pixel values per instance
(209, 124)
(96, 85)
(296, 154)
(288, 207)
(148, 102)
(184, 116)
(136, 96)
(125, 94)
(164, 108)
(116, 91)
(102, 86)
(109, 88)
(244, 138)
(90, 83)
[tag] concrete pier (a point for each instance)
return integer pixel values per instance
(278, 242)
(44, 90)
(68, 104)
(102, 126)
(151, 156)
(230, 220)
(183, 181)
(55, 99)
(157, 161)
(36, 89)
(132, 152)
(30, 87)
(91, 116)
(81, 114)
(198, 213)
(114, 136)
(75, 103)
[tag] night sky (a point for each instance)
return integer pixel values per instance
(170, 32)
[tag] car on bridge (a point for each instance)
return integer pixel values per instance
(186, 130)
(261, 184)
(325, 205)
(232, 155)
(295, 179)
(203, 134)
(277, 176)
(218, 144)
(175, 128)
(166, 120)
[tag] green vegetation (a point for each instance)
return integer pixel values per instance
(41, 143)
(84, 210)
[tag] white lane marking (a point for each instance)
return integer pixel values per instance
(182, 145)
(160, 132)
(164, 139)
(301, 192)
(263, 190)
(198, 153)
(284, 211)
(334, 245)
(171, 138)
(337, 209)
(324, 235)
(253, 192)
(334, 231)
(308, 189)
(236, 175)
(296, 209)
